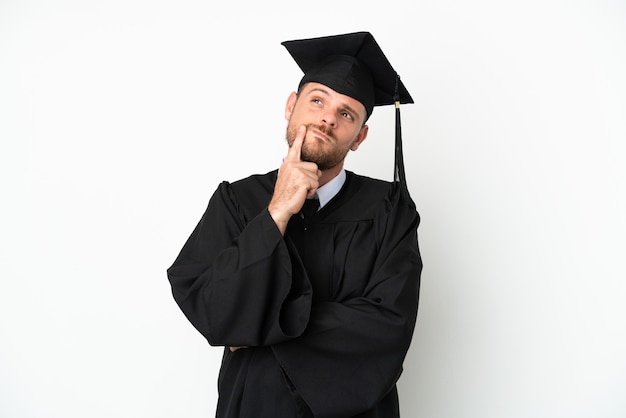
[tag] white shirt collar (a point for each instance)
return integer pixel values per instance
(330, 189)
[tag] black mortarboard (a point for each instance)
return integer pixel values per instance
(354, 65)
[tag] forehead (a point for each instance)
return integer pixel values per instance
(346, 101)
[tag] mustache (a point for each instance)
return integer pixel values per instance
(322, 128)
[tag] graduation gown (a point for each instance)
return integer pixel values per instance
(327, 311)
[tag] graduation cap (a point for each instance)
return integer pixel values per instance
(354, 65)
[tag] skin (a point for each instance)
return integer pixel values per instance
(323, 126)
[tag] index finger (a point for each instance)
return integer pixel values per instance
(296, 147)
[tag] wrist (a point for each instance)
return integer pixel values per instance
(280, 217)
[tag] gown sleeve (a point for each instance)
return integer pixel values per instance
(233, 279)
(352, 352)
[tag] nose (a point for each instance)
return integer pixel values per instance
(330, 118)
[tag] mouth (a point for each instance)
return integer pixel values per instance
(319, 135)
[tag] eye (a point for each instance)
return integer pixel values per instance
(347, 115)
(316, 101)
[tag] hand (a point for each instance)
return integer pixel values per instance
(296, 181)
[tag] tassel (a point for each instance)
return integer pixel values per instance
(399, 174)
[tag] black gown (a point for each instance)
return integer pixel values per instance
(327, 311)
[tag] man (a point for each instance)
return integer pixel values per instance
(316, 309)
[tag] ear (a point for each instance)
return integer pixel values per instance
(291, 102)
(360, 138)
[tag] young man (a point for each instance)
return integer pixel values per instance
(315, 307)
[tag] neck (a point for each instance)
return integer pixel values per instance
(331, 173)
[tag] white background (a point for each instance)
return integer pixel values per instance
(118, 119)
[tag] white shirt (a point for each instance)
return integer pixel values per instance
(330, 189)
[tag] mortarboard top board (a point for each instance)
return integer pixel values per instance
(352, 64)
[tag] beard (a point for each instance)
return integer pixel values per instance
(325, 159)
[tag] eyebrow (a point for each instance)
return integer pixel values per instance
(344, 104)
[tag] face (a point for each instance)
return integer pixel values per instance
(335, 124)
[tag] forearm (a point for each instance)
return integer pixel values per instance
(239, 295)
